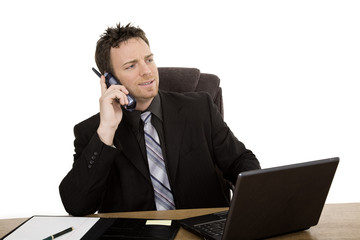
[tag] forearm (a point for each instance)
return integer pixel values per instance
(231, 154)
(82, 188)
(245, 162)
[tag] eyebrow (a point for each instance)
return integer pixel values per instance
(134, 61)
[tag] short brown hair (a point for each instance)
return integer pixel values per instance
(112, 37)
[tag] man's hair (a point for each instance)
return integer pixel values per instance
(111, 38)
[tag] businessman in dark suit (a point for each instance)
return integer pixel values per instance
(111, 171)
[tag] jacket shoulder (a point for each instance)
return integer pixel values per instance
(89, 123)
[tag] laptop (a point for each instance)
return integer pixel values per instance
(270, 202)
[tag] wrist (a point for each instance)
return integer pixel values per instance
(106, 135)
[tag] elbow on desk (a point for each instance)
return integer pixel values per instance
(74, 203)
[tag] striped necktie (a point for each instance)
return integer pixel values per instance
(163, 196)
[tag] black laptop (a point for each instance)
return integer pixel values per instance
(270, 202)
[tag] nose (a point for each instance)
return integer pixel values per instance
(144, 69)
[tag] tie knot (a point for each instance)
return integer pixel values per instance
(146, 117)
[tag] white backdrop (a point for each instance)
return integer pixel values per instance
(288, 69)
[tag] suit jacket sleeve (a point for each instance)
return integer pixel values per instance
(201, 151)
(231, 155)
(82, 188)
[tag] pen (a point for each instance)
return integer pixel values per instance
(59, 234)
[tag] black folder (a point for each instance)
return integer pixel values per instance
(130, 228)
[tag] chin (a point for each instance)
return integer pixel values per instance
(147, 95)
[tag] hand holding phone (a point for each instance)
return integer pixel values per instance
(111, 80)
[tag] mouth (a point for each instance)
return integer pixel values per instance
(147, 83)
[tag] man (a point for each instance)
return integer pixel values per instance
(113, 169)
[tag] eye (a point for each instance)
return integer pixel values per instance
(150, 60)
(130, 66)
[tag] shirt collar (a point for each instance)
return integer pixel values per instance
(133, 118)
(155, 107)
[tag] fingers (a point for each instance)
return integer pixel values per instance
(103, 84)
(113, 93)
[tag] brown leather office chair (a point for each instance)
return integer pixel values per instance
(178, 79)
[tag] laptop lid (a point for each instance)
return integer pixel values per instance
(279, 200)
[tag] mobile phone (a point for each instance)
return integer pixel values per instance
(111, 80)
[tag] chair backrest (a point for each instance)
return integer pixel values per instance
(179, 79)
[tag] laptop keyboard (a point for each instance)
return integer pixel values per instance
(214, 228)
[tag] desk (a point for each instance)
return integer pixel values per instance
(337, 221)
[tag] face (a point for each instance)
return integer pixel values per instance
(134, 66)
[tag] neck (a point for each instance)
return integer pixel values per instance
(143, 104)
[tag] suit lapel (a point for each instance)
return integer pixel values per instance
(173, 124)
(131, 149)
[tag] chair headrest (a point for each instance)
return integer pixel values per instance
(178, 79)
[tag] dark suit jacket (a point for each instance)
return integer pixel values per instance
(198, 143)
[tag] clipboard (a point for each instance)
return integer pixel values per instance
(40, 227)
